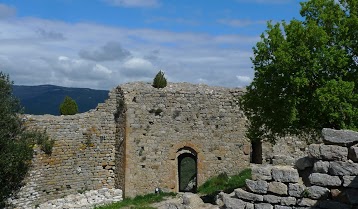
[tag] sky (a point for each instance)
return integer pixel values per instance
(100, 44)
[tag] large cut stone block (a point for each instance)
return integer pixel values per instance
(233, 203)
(317, 192)
(285, 174)
(282, 207)
(321, 167)
(340, 137)
(295, 190)
(353, 153)
(258, 186)
(272, 199)
(321, 179)
(277, 188)
(263, 206)
(343, 168)
(260, 172)
(327, 152)
(306, 202)
(288, 201)
(242, 194)
(350, 181)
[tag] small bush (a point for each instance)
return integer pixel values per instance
(68, 106)
(160, 81)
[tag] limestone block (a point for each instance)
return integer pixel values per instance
(233, 203)
(350, 181)
(285, 174)
(272, 199)
(303, 163)
(340, 137)
(288, 201)
(317, 192)
(282, 207)
(321, 179)
(242, 194)
(260, 172)
(263, 206)
(192, 200)
(283, 160)
(343, 168)
(277, 188)
(353, 153)
(330, 204)
(306, 202)
(321, 166)
(250, 206)
(327, 152)
(295, 190)
(258, 186)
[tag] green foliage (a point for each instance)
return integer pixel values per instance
(306, 73)
(139, 202)
(68, 106)
(160, 81)
(41, 139)
(15, 145)
(225, 183)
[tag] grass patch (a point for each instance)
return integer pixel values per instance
(225, 183)
(139, 202)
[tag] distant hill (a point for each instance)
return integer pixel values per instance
(46, 99)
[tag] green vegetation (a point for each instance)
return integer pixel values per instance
(160, 81)
(187, 173)
(139, 202)
(225, 183)
(68, 106)
(15, 142)
(306, 73)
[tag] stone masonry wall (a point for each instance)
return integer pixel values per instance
(83, 156)
(326, 179)
(159, 123)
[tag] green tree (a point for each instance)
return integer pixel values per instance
(160, 81)
(15, 143)
(68, 106)
(306, 73)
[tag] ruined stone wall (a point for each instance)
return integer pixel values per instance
(160, 122)
(326, 179)
(83, 156)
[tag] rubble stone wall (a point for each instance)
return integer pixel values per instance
(327, 178)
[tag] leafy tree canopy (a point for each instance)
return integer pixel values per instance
(15, 143)
(306, 73)
(68, 106)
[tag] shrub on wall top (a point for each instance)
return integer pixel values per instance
(160, 81)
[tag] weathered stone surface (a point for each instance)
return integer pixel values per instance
(192, 199)
(350, 181)
(327, 152)
(272, 199)
(306, 202)
(329, 204)
(233, 203)
(321, 167)
(277, 188)
(295, 190)
(317, 192)
(258, 186)
(321, 179)
(303, 163)
(250, 206)
(343, 168)
(263, 206)
(285, 174)
(339, 137)
(288, 201)
(242, 194)
(353, 153)
(282, 207)
(283, 160)
(261, 172)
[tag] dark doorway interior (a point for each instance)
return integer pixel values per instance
(187, 168)
(256, 154)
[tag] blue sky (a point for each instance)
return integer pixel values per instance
(102, 43)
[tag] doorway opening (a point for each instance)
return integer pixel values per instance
(187, 170)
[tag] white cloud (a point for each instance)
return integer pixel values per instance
(241, 22)
(243, 79)
(7, 11)
(138, 63)
(134, 3)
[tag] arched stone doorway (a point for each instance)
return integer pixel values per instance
(187, 170)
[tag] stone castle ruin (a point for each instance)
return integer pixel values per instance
(137, 141)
